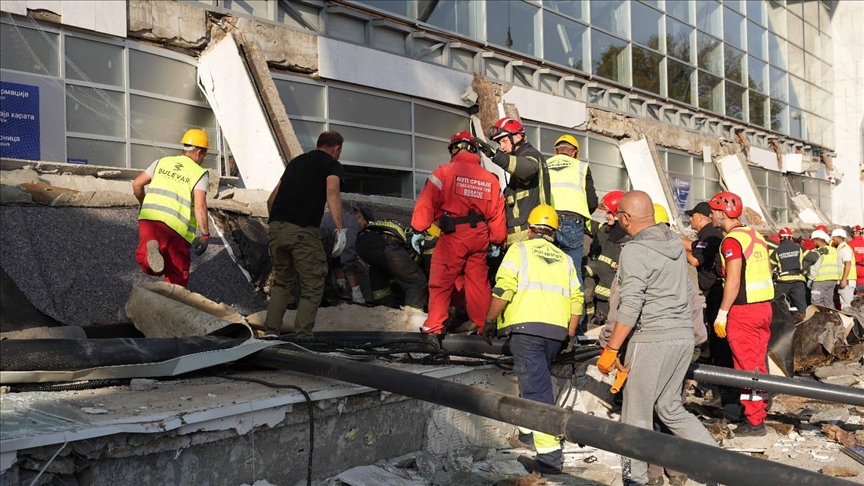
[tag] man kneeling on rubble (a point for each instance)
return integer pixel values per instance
(654, 300)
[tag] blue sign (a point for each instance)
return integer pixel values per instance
(19, 121)
(681, 189)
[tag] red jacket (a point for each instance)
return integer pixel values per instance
(857, 245)
(457, 188)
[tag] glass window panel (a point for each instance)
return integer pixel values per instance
(374, 147)
(824, 17)
(733, 27)
(96, 152)
(378, 182)
(96, 62)
(757, 108)
(95, 111)
(776, 17)
(29, 50)
(646, 69)
(827, 77)
(347, 28)
(712, 188)
(779, 117)
(521, 20)
(257, 8)
(609, 178)
(755, 11)
(308, 132)
(399, 7)
(734, 67)
(389, 40)
(429, 154)
(796, 123)
(795, 30)
(797, 92)
(756, 71)
(646, 25)
(795, 7)
(680, 80)
(711, 173)
(609, 57)
(760, 176)
(367, 109)
(420, 179)
(156, 74)
(777, 50)
(708, 17)
(811, 12)
(813, 69)
(710, 92)
(811, 40)
(532, 133)
(735, 101)
(680, 164)
(144, 155)
(462, 60)
(756, 37)
(610, 16)
(796, 60)
(452, 15)
(779, 84)
(604, 152)
(679, 40)
(575, 9)
(548, 137)
(301, 99)
(709, 52)
(308, 14)
(166, 121)
(827, 50)
(680, 9)
(564, 41)
(438, 123)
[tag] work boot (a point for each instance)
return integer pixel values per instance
(748, 430)
(658, 481)
(679, 480)
(154, 258)
(532, 465)
(516, 442)
(434, 339)
(357, 295)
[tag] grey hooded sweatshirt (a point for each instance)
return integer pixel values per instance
(654, 287)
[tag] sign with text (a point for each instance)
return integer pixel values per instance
(681, 189)
(20, 136)
(474, 188)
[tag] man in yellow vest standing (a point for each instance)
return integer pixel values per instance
(172, 209)
(537, 289)
(826, 273)
(744, 318)
(846, 267)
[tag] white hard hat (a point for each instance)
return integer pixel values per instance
(839, 232)
(821, 235)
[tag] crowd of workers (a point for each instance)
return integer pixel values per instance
(515, 259)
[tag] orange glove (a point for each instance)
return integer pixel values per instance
(607, 360)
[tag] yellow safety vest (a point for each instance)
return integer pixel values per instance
(541, 284)
(756, 282)
(169, 197)
(829, 269)
(567, 178)
(853, 272)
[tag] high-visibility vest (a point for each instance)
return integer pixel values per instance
(169, 196)
(388, 226)
(788, 257)
(829, 269)
(521, 197)
(544, 280)
(567, 177)
(756, 282)
(853, 272)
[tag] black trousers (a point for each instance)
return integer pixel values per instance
(795, 292)
(388, 260)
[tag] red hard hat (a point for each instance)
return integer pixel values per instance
(463, 137)
(727, 202)
(822, 227)
(774, 238)
(610, 201)
(857, 230)
(505, 127)
(785, 232)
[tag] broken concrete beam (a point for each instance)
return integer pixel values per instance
(347, 317)
(160, 309)
(172, 23)
(488, 97)
(282, 47)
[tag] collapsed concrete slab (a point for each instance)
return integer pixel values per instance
(161, 309)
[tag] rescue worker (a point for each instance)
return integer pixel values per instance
(603, 259)
(790, 263)
(465, 200)
(847, 267)
(745, 312)
(654, 289)
(172, 209)
(825, 275)
(857, 245)
(528, 186)
(537, 290)
(345, 268)
(384, 246)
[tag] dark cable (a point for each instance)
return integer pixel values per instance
(49, 387)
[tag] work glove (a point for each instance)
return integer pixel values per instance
(415, 243)
(487, 149)
(809, 284)
(339, 244)
(720, 323)
(490, 329)
(494, 251)
(607, 360)
(199, 244)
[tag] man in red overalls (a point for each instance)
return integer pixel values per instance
(857, 245)
(465, 200)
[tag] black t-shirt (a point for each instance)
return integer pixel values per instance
(303, 190)
(705, 250)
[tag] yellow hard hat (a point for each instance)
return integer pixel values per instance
(434, 231)
(568, 139)
(660, 214)
(197, 138)
(543, 215)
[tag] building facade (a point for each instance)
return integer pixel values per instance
(392, 76)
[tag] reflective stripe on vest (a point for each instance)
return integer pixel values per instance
(853, 272)
(567, 177)
(829, 268)
(389, 227)
(789, 259)
(169, 195)
(756, 277)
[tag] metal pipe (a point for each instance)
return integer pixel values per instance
(452, 342)
(692, 458)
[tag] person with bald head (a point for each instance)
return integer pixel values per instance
(654, 313)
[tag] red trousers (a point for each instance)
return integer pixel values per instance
(174, 249)
(460, 253)
(748, 330)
